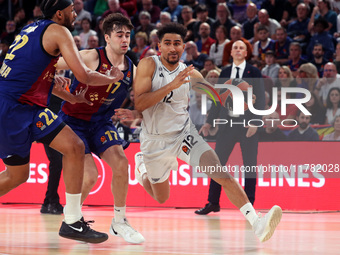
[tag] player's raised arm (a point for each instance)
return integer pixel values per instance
(144, 97)
(59, 37)
(89, 57)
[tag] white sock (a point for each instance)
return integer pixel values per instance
(249, 213)
(119, 213)
(72, 209)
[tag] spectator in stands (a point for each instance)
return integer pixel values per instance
(81, 14)
(216, 50)
(318, 111)
(328, 81)
(239, 11)
(193, 5)
(150, 52)
(275, 8)
(270, 132)
(174, 8)
(282, 45)
(337, 58)
(188, 21)
(204, 44)
(100, 32)
(87, 32)
(286, 78)
(93, 42)
(271, 24)
(298, 29)
(333, 105)
(252, 19)
(323, 10)
(289, 13)
(130, 6)
(114, 7)
(10, 31)
(4, 46)
(145, 23)
(20, 18)
(193, 56)
(334, 136)
(318, 58)
(304, 132)
(307, 77)
(152, 9)
(295, 59)
(165, 18)
(264, 43)
(223, 17)
(77, 41)
(212, 76)
(141, 43)
(209, 64)
(202, 16)
(153, 40)
(272, 68)
(322, 37)
(235, 35)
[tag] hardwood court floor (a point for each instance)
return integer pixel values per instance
(23, 230)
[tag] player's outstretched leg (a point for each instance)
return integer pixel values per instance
(81, 231)
(265, 226)
(124, 230)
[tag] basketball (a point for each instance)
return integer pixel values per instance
(227, 96)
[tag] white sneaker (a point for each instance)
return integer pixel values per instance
(126, 231)
(139, 171)
(264, 227)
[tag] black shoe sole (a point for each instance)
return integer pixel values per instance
(205, 213)
(86, 240)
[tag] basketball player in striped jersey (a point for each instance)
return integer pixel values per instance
(161, 90)
(93, 124)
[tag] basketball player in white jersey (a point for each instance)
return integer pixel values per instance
(161, 91)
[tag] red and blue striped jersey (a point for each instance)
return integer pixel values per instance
(105, 99)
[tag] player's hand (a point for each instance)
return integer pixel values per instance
(205, 129)
(116, 73)
(124, 114)
(61, 83)
(182, 77)
(79, 96)
(251, 131)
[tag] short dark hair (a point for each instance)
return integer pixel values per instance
(116, 21)
(172, 28)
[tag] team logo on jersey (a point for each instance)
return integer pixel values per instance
(40, 125)
(104, 66)
(30, 29)
(93, 96)
(185, 149)
(128, 74)
(103, 139)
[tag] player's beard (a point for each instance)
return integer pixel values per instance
(69, 24)
(172, 62)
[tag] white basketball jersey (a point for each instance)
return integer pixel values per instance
(170, 114)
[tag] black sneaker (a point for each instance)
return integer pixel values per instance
(81, 231)
(44, 209)
(208, 208)
(52, 209)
